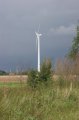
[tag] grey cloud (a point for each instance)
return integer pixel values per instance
(63, 30)
(19, 19)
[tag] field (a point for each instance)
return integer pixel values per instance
(13, 78)
(57, 101)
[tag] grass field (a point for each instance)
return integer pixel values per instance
(58, 101)
(11, 84)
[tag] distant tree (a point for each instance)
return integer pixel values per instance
(3, 72)
(74, 51)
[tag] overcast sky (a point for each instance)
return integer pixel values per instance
(19, 19)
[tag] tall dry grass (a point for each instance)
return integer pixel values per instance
(69, 69)
(58, 101)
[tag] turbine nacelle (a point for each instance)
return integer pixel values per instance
(38, 35)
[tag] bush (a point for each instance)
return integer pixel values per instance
(45, 73)
(33, 78)
(44, 76)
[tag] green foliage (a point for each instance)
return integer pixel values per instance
(33, 78)
(45, 73)
(3, 72)
(61, 82)
(73, 97)
(44, 76)
(75, 46)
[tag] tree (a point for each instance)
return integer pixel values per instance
(45, 73)
(75, 46)
(3, 72)
(35, 78)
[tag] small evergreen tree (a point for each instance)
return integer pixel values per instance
(33, 78)
(36, 78)
(45, 73)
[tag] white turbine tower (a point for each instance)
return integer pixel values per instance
(38, 47)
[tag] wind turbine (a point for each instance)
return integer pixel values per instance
(38, 48)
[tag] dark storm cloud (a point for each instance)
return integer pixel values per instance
(19, 19)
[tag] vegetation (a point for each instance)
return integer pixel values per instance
(44, 76)
(3, 72)
(75, 46)
(12, 84)
(46, 71)
(59, 101)
(49, 100)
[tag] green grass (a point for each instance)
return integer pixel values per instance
(53, 102)
(12, 84)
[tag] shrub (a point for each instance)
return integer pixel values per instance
(45, 73)
(44, 76)
(33, 78)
